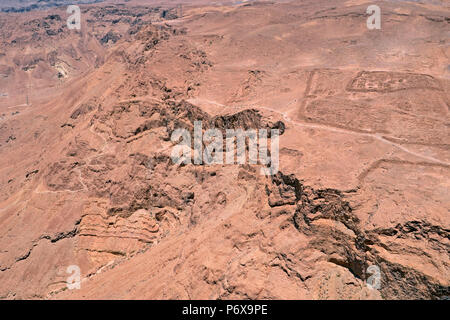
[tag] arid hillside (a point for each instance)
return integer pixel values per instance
(87, 179)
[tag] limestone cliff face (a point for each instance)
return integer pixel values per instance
(87, 178)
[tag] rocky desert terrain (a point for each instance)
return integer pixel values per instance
(87, 179)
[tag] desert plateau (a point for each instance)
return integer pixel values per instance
(355, 204)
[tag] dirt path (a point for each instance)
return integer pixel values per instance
(332, 129)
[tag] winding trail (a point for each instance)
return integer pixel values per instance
(85, 188)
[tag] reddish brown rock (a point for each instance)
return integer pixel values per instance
(87, 178)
